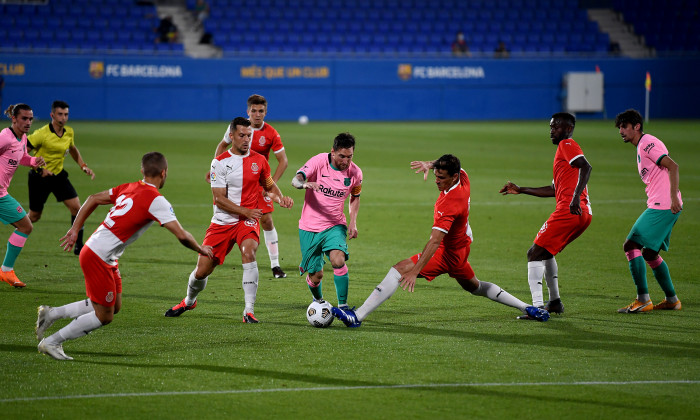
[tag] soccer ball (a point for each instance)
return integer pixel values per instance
(319, 314)
(303, 120)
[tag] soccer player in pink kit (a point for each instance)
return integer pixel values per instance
(13, 152)
(570, 218)
(652, 230)
(329, 179)
(446, 252)
(136, 206)
(236, 176)
(265, 138)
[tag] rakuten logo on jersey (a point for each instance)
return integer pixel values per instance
(330, 192)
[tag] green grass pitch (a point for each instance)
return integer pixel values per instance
(436, 353)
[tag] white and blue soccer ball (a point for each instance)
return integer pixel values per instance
(319, 314)
(303, 120)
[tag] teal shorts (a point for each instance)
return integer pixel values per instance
(652, 230)
(314, 245)
(10, 210)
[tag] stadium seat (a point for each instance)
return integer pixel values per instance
(342, 27)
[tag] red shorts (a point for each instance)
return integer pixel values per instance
(561, 229)
(102, 281)
(222, 237)
(453, 262)
(265, 203)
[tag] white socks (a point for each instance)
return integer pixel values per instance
(551, 276)
(71, 310)
(194, 286)
(80, 326)
(380, 294)
(272, 248)
(250, 285)
(495, 293)
(535, 271)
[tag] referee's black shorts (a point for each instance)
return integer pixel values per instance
(40, 188)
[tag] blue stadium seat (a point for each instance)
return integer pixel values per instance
(78, 35)
(100, 23)
(31, 35)
(109, 36)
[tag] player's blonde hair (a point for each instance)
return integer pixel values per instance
(13, 110)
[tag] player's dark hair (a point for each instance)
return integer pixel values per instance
(13, 110)
(565, 117)
(631, 116)
(153, 163)
(449, 163)
(238, 121)
(257, 100)
(59, 104)
(344, 141)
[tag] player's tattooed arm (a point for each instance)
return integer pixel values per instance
(299, 182)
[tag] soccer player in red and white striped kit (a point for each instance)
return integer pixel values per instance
(136, 206)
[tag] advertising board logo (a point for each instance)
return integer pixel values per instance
(408, 71)
(405, 71)
(97, 69)
(12, 69)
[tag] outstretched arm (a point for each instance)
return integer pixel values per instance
(75, 154)
(674, 177)
(92, 202)
(422, 166)
(510, 188)
(583, 175)
(274, 192)
(187, 239)
(408, 280)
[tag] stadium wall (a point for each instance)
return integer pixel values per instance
(169, 89)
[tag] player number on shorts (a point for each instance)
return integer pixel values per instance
(121, 207)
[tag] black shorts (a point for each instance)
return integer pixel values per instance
(40, 188)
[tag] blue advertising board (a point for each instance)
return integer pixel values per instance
(170, 89)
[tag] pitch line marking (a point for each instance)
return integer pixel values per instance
(343, 388)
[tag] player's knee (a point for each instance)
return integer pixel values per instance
(105, 318)
(649, 254)
(248, 256)
(337, 260)
(34, 217)
(403, 266)
(630, 245)
(537, 253)
(470, 285)
(26, 229)
(531, 253)
(267, 223)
